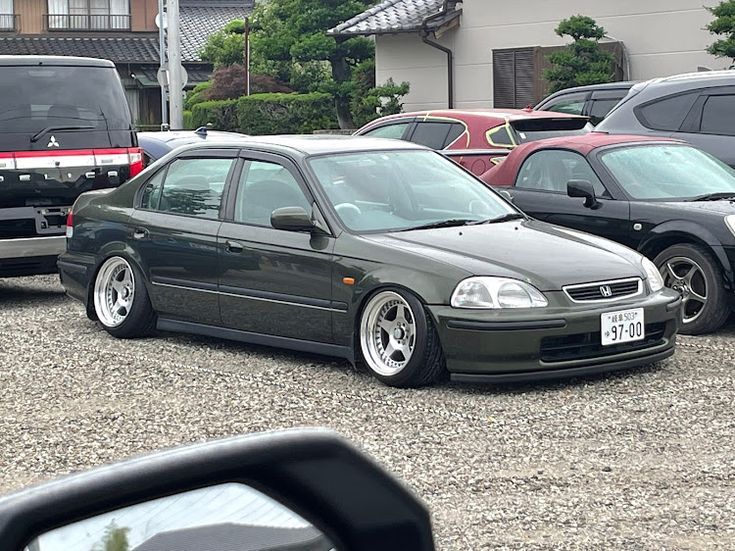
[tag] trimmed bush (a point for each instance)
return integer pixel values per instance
(268, 113)
(197, 94)
(221, 113)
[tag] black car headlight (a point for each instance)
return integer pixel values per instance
(486, 292)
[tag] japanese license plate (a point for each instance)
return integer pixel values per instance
(623, 326)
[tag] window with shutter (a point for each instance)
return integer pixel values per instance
(514, 77)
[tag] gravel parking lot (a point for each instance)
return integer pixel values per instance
(642, 459)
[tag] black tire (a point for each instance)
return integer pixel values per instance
(140, 320)
(427, 365)
(716, 310)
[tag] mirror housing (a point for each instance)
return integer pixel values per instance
(292, 219)
(314, 472)
(585, 190)
(505, 194)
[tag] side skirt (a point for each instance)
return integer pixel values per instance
(311, 347)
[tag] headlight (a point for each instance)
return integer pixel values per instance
(496, 292)
(655, 281)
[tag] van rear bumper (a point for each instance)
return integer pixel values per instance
(30, 255)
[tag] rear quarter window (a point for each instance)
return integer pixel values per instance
(666, 113)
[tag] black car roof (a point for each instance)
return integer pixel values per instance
(54, 61)
(313, 144)
(623, 85)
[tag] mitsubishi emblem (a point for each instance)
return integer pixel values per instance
(605, 291)
(52, 142)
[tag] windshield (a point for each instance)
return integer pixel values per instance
(668, 171)
(34, 98)
(400, 190)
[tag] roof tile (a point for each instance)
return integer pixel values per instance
(390, 16)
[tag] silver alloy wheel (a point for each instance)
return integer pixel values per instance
(114, 291)
(684, 275)
(387, 333)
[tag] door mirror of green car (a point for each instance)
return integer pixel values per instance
(585, 190)
(292, 219)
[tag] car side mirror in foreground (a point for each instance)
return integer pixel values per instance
(585, 190)
(301, 489)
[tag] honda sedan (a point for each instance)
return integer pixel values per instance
(378, 251)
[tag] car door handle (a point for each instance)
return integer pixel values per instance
(140, 233)
(233, 247)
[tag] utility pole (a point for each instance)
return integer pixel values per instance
(162, 55)
(175, 70)
(246, 55)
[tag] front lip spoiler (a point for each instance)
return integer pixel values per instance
(563, 373)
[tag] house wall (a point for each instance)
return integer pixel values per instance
(662, 37)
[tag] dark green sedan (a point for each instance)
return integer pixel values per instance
(378, 251)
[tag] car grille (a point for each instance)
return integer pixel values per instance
(588, 346)
(605, 290)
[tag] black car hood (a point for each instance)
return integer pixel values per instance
(546, 256)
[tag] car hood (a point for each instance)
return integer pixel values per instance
(721, 207)
(544, 255)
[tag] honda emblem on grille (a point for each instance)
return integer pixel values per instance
(52, 142)
(605, 291)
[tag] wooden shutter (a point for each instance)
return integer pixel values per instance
(514, 77)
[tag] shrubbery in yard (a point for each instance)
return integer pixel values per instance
(582, 62)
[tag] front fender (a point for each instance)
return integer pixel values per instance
(684, 231)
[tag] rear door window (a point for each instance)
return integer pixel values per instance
(666, 113)
(191, 187)
(718, 115)
(432, 134)
(37, 97)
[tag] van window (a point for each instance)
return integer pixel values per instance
(36, 97)
(667, 113)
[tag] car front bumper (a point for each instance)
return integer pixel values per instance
(507, 345)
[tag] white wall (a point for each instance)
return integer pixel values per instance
(662, 37)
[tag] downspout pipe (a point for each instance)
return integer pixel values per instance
(425, 33)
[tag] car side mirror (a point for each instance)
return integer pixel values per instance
(292, 219)
(505, 194)
(585, 190)
(302, 489)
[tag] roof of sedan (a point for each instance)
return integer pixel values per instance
(318, 144)
(500, 114)
(505, 172)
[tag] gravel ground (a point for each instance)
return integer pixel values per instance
(638, 460)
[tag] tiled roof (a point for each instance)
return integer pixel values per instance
(201, 18)
(394, 16)
(128, 49)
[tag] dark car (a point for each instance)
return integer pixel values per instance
(157, 144)
(65, 128)
(696, 107)
(594, 101)
(665, 198)
(475, 138)
(377, 251)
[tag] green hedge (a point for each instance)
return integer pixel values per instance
(268, 113)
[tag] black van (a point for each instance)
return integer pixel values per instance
(65, 128)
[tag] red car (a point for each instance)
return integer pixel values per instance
(474, 138)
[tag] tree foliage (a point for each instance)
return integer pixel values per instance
(583, 61)
(227, 46)
(723, 25)
(115, 539)
(290, 37)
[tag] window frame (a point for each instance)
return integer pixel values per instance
(192, 155)
(438, 120)
(245, 155)
(607, 195)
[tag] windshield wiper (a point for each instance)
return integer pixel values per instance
(48, 129)
(715, 196)
(452, 222)
(504, 218)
